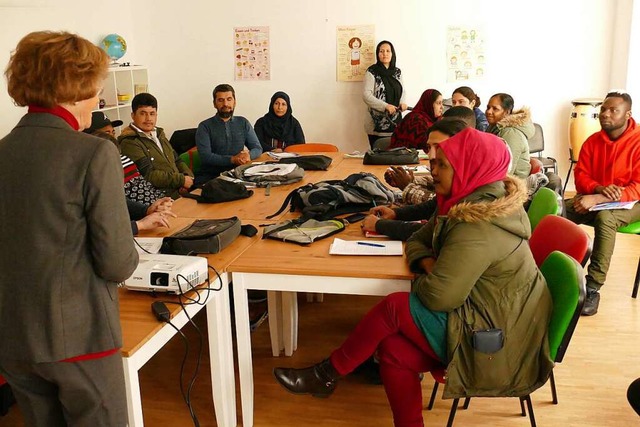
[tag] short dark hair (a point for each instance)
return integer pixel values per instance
(463, 113)
(224, 87)
(449, 126)
(506, 101)
(619, 94)
(143, 100)
(468, 93)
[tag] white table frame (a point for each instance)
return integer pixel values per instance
(285, 305)
(220, 352)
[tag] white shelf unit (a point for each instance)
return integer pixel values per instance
(123, 81)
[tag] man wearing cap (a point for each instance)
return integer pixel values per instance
(149, 148)
(101, 123)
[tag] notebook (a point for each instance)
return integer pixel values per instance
(360, 247)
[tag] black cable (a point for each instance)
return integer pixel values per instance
(184, 360)
(140, 246)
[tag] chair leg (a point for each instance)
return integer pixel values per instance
(636, 284)
(522, 411)
(554, 393)
(467, 401)
(433, 395)
(564, 188)
(452, 414)
(532, 417)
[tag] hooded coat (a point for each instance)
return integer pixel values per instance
(485, 277)
(516, 129)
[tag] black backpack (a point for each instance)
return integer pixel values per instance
(358, 192)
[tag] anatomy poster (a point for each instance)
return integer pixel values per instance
(465, 54)
(252, 53)
(355, 50)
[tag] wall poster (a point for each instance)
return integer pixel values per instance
(465, 54)
(355, 51)
(252, 53)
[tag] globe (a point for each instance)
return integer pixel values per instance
(115, 46)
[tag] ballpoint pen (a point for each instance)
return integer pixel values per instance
(376, 245)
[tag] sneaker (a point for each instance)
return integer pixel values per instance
(591, 303)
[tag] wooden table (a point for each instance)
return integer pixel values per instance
(144, 335)
(276, 266)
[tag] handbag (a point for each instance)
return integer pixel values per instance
(203, 236)
(303, 231)
(395, 156)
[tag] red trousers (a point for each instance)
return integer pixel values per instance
(403, 352)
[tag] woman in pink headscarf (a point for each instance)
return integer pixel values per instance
(474, 272)
(412, 130)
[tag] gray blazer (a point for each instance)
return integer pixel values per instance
(65, 240)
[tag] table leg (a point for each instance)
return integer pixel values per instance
(289, 321)
(223, 382)
(243, 338)
(275, 321)
(134, 400)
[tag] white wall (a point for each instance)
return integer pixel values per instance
(544, 53)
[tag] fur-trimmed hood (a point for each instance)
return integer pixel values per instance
(129, 132)
(519, 119)
(497, 203)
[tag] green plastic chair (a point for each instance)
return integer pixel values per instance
(633, 228)
(545, 202)
(565, 280)
(192, 159)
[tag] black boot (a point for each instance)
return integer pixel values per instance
(318, 380)
(591, 302)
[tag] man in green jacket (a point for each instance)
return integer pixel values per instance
(149, 148)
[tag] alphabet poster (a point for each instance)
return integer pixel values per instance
(465, 54)
(252, 53)
(355, 51)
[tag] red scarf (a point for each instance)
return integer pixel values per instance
(59, 111)
(424, 107)
(478, 158)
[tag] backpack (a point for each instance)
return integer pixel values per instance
(263, 174)
(303, 231)
(220, 190)
(326, 199)
(314, 162)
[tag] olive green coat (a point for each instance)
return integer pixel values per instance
(516, 129)
(162, 168)
(485, 277)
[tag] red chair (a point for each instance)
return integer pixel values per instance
(555, 233)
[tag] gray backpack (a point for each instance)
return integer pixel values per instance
(263, 174)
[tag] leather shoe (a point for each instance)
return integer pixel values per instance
(591, 303)
(318, 380)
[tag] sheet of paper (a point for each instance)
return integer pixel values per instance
(361, 247)
(282, 155)
(148, 244)
(613, 205)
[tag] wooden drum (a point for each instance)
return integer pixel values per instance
(584, 123)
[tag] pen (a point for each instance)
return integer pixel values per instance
(376, 245)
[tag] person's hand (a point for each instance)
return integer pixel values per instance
(161, 205)
(582, 203)
(611, 191)
(277, 150)
(388, 177)
(384, 212)
(428, 264)
(403, 106)
(369, 223)
(241, 158)
(400, 176)
(391, 109)
(155, 220)
(188, 182)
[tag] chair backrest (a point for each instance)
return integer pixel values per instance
(565, 280)
(317, 147)
(555, 233)
(544, 202)
(192, 159)
(182, 140)
(536, 142)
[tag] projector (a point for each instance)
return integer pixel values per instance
(168, 273)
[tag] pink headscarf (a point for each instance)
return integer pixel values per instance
(478, 158)
(424, 106)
